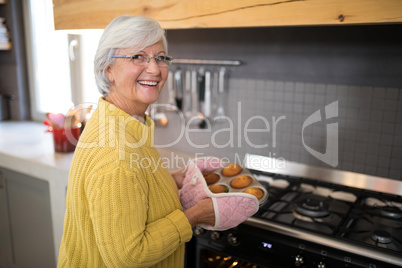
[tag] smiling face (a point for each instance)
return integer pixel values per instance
(135, 87)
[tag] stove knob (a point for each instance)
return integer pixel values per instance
(321, 265)
(233, 240)
(199, 231)
(299, 260)
(215, 235)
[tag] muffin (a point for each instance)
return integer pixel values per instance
(231, 170)
(241, 181)
(255, 191)
(217, 188)
(210, 177)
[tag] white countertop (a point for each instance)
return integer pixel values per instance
(27, 148)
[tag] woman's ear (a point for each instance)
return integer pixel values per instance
(109, 73)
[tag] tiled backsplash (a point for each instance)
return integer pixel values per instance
(368, 120)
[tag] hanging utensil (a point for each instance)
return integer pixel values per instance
(196, 115)
(160, 119)
(194, 93)
(207, 100)
(221, 92)
(201, 88)
(214, 98)
(178, 88)
(171, 93)
(187, 95)
(207, 97)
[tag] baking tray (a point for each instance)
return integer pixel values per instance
(224, 180)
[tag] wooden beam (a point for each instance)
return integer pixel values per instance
(173, 14)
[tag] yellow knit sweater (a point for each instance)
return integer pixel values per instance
(123, 208)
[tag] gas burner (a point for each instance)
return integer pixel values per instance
(327, 192)
(344, 196)
(313, 189)
(321, 214)
(386, 209)
(282, 184)
(375, 202)
(278, 183)
(313, 207)
(375, 230)
(380, 236)
(391, 212)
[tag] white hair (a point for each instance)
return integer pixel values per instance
(124, 32)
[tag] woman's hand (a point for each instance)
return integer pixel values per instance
(178, 176)
(204, 164)
(201, 213)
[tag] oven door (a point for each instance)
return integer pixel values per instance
(210, 258)
(250, 246)
(242, 246)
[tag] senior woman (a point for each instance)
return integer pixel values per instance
(123, 210)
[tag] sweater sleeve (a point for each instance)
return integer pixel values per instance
(118, 205)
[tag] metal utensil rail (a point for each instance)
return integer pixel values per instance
(207, 62)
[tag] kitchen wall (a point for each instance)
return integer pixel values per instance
(289, 73)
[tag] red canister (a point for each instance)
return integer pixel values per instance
(65, 139)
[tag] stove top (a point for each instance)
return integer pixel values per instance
(349, 211)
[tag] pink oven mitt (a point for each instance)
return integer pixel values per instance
(231, 209)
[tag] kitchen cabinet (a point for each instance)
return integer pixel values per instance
(26, 237)
(172, 14)
(13, 61)
(5, 43)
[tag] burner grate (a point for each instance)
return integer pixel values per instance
(370, 227)
(307, 210)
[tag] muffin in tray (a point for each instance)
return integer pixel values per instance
(231, 170)
(218, 188)
(257, 192)
(241, 181)
(211, 177)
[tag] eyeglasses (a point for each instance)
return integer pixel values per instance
(143, 60)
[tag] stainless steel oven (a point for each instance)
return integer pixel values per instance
(314, 217)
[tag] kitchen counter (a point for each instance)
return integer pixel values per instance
(26, 148)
